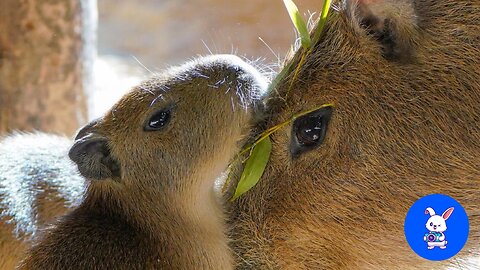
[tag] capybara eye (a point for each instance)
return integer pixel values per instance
(159, 120)
(309, 130)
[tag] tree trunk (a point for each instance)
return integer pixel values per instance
(41, 66)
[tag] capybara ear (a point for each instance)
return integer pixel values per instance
(392, 23)
(92, 155)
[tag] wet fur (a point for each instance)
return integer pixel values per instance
(405, 125)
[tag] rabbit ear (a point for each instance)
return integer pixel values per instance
(447, 213)
(430, 211)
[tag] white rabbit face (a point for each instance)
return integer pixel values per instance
(436, 224)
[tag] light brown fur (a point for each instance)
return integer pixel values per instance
(160, 211)
(405, 124)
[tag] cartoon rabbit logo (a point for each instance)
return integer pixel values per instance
(433, 245)
(436, 225)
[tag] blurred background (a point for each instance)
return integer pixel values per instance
(168, 32)
(64, 62)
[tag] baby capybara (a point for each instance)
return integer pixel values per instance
(152, 161)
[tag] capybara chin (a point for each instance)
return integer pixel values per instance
(152, 161)
(405, 80)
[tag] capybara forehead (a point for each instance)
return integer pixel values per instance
(353, 55)
(215, 70)
(204, 84)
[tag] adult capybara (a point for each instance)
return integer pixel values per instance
(404, 77)
(152, 161)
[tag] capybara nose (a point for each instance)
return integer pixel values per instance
(91, 153)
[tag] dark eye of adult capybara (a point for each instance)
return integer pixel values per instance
(158, 120)
(308, 131)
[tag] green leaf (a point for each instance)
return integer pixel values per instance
(256, 163)
(323, 20)
(299, 23)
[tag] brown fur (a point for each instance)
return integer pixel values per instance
(161, 211)
(403, 127)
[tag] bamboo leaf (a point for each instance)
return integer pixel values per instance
(299, 23)
(254, 167)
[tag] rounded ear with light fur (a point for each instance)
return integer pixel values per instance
(392, 23)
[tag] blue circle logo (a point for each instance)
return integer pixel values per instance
(436, 227)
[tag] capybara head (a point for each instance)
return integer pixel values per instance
(403, 76)
(184, 124)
